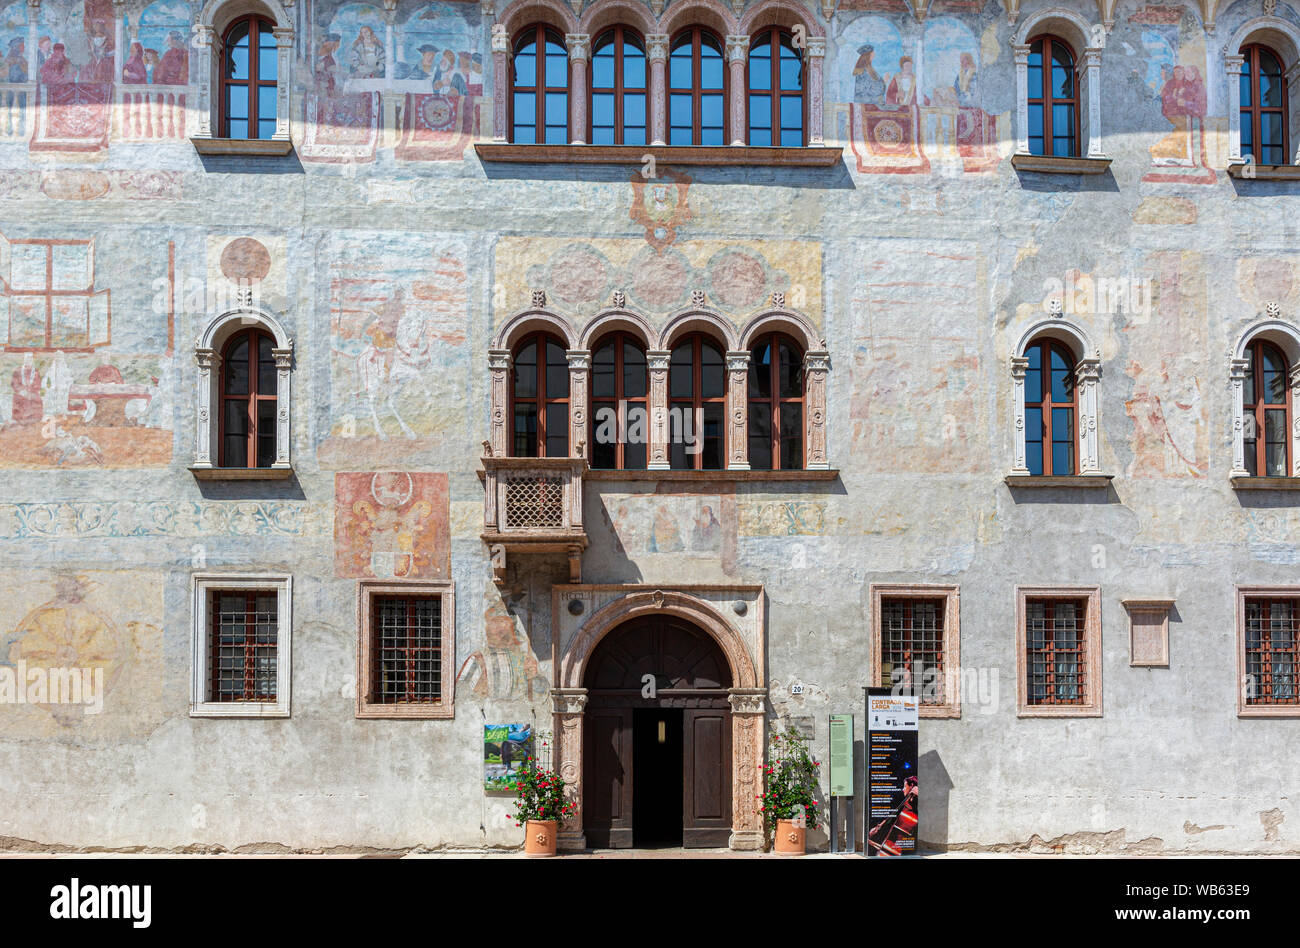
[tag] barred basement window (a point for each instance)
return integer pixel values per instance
(406, 650)
(915, 644)
(241, 640)
(1059, 651)
(1272, 653)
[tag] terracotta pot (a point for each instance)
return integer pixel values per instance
(539, 838)
(790, 839)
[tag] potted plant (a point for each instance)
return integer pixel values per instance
(789, 804)
(540, 807)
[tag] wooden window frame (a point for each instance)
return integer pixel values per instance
(1258, 409)
(540, 337)
(1043, 42)
(619, 32)
(696, 90)
(773, 35)
(1255, 111)
(1091, 705)
(775, 400)
(1245, 709)
(697, 400)
(202, 587)
(950, 683)
(1046, 406)
(254, 335)
(256, 26)
(367, 592)
(539, 90)
(618, 338)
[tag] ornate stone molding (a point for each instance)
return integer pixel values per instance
(579, 385)
(657, 361)
(738, 410)
(817, 365)
(499, 362)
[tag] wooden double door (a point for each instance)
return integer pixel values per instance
(657, 733)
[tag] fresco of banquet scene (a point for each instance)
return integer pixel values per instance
(437, 63)
(60, 91)
(76, 389)
(908, 102)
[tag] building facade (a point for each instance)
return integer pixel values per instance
(438, 377)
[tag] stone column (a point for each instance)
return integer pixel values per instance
(1020, 54)
(579, 379)
(1088, 374)
(1096, 143)
(816, 51)
(1019, 368)
(657, 360)
(499, 361)
(657, 51)
(284, 63)
(579, 45)
(283, 403)
(737, 410)
(567, 705)
(390, 48)
(207, 361)
(737, 60)
(816, 366)
(1232, 71)
(33, 37)
(204, 42)
(748, 740)
(1291, 76)
(500, 83)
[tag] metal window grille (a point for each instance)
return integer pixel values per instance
(1272, 652)
(1056, 641)
(245, 637)
(406, 649)
(534, 501)
(911, 647)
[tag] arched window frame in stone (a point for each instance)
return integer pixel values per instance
(786, 15)
(1083, 36)
(816, 365)
(501, 360)
(215, 17)
(1283, 38)
(514, 18)
(1087, 373)
(711, 323)
(618, 319)
(207, 357)
(1286, 337)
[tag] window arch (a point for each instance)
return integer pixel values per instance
(776, 404)
(697, 89)
(539, 87)
(775, 102)
(539, 398)
(1051, 409)
(620, 390)
(619, 84)
(1263, 106)
(1053, 98)
(1266, 411)
(697, 400)
(247, 423)
(249, 76)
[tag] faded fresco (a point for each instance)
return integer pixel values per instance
(504, 667)
(1175, 47)
(391, 525)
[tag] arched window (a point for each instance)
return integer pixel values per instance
(618, 88)
(776, 393)
(539, 398)
(1053, 99)
(776, 104)
(697, 398)
(249, 57)
(620, 383)
(248, 401)
(697, 89)
(1263, 106)
(1050, 409)
(1266, 400)
(539, 88)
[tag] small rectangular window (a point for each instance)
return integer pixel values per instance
(1058, 639)
(915, 644)
(1271, 652)
(405, 650)
(241, 639)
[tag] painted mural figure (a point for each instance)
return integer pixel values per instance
(447, 80)
(505, 669)
(425, 70)
(366, 58)
(100, 66)
(868, 87)
(902, 88)
(326, 66)
(174, 67)
(1182, 103)
(135, 70)
(56, 386)
(58, 69)
(15, 64)
(28, 409)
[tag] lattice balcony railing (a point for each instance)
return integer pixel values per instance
(533, 505)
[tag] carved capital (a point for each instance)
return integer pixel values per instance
(499, 359)
(1237, 369)
(500, 43)
(579, 45)
(283, 358)
(1019, 367)
(283, 36)
(817, 360)
(737, 49)
(658, 359)
(656, 45)
(1089, 370)
(746, 700)
(815, 46)
(568, 700)
(1020, 54)
(1092, 56)
(579, 360)
(738, 360)
(205, 359)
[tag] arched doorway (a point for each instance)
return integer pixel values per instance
(657, 757)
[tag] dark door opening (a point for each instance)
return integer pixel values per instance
(657, 777)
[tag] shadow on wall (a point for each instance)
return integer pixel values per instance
(936, 786)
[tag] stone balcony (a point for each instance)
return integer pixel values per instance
(533, 505)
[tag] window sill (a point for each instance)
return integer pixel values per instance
(1269, 711)
(405, 712)
(1083, 481)
(244, 147)
(1265, 483)
(697, 476)
(810, 156)
(1060, 711)
(239, 709)
(242, 473)
(1045, 164)
(1249, 171)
